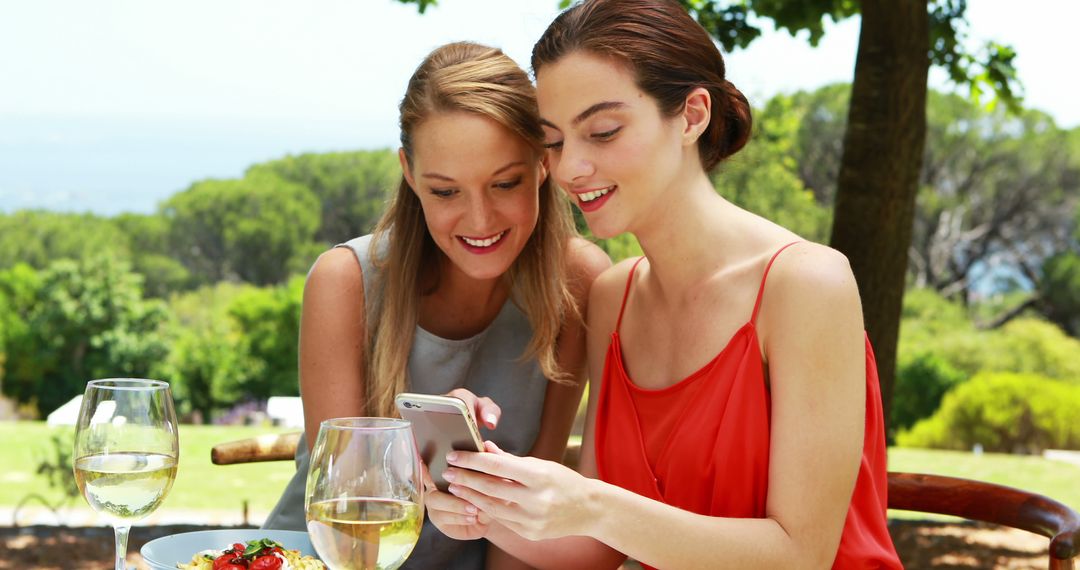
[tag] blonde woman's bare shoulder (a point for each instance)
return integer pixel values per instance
(336, 272)
(586, 260)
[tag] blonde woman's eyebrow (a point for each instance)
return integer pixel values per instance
(499, 170)
(508, 167)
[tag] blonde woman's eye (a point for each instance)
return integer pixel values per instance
(443, 192)
(606, 135)
(509, 184)
(555, 146)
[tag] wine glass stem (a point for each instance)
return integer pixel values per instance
(121, 532)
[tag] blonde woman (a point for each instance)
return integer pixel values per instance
(473, 283)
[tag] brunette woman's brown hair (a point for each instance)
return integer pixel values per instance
(670, 55)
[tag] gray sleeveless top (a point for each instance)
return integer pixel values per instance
(488, 364)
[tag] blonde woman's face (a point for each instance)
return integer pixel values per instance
(478, 184)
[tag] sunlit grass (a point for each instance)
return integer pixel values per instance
(200, 485)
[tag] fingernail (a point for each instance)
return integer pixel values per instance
(452, 456)
(449, 475)
(470, 520)
(490, 419)
(470, 509)
(453, 489)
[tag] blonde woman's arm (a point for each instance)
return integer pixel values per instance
(332, 340)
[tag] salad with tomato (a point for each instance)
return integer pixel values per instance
(262, 554)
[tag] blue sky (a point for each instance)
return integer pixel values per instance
(113, 105)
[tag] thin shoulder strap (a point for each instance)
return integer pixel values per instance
(761, 288)
(626, 293)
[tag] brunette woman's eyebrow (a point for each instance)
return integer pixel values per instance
(592, 110)
(437, 176)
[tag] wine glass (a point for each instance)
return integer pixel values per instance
(126, 451)
(364, 498)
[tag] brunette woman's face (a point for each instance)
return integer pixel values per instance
(478, 183)
(608, 144)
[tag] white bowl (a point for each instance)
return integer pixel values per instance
(166, 552)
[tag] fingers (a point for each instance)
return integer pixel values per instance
(449, 509)
(494, 487)
(425, 477)
(488, 411)
(484, 409)
(498, 463)
(504, 511)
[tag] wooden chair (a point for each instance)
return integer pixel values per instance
(991, 503)
(974, 500)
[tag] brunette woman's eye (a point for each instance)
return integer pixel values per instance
(508, 184)
(555, 146)
(606, 135)
(443, 192)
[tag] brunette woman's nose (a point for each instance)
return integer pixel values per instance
(571, 167)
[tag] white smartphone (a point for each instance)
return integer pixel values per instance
(439, 424)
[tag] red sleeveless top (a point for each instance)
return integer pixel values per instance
(702, 444)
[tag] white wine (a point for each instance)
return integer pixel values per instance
(125, 486)
(364, 533)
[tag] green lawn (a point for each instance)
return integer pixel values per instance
(199, 483)
(1055, 479)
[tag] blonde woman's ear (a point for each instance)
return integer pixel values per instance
(697, 112)
(406, 171)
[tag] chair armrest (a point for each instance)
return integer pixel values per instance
(991, 503)
(269, 447)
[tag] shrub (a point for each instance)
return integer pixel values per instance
(921, 382)
(1017, 413)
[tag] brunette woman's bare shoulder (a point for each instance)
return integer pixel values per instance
(607, 292)
(813, 280)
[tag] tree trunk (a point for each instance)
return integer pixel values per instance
(879, 170)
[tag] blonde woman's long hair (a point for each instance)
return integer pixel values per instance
(465, 77)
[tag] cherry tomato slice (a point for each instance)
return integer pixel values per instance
(266, 563)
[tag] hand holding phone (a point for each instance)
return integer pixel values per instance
(440, 424)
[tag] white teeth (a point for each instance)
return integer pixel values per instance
(590, 196)
(483, 242)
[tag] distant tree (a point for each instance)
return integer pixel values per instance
(87, 320)
(998, 197)
(269, 321)
(207, 363)
(148, 240)
(764, 177)
(19, 286)
(257, 229)
(352, 187)
(1059, 291)
(38, 238)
